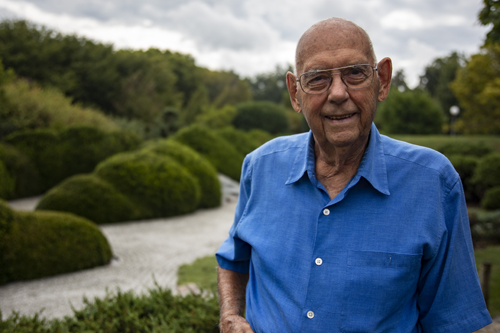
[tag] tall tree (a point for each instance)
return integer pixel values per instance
(270, 86)
(490, 14)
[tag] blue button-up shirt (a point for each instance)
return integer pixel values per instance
(392, 252)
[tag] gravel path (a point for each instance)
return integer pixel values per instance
(145, 252)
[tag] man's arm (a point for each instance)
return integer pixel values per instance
(232, 288)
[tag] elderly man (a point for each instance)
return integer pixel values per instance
(342, 229)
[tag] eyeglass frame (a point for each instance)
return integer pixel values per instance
(374, 69)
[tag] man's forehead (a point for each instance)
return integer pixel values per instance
(332, 35)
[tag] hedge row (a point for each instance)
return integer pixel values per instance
(479, 168)
(37, 160)
(162, 179)
(39, 244)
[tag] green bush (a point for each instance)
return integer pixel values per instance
(491, 199)
(219, 152)
(263, 115)
(241, 140)
(83, 147)
(198, 166)
(6, 183)
(465, 166)
(159, 185)
(6, 220)
(23, 172)
(91, 197)
(409, 112)
(259, 136)
(41, 147)
(487, 172)
(42, 244)
(477, 149)
(158, 311)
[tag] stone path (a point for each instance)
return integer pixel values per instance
(145, 252)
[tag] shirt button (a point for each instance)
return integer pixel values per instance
(326, 211)
(310, 314)
(318, 261)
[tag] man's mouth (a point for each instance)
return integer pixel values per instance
(340, 117)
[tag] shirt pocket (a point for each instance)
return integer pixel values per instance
(378, 286)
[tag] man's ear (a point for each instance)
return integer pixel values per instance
(291, 83)
(384, 69)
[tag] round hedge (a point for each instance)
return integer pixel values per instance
(487, 172)
(465, 166)
(491, 199)
(91, 197)
(241, 140)
(42, 244)
(157, 184)
(41, 147)
(219, 152)
(6, 183)
(83, 147)
(6, 220)
(264, 115)
(477, 149)
(198, 166)
(23, 172)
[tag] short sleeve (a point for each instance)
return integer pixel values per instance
(450, 297)
(234, 254)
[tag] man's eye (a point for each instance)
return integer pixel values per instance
(318, 79)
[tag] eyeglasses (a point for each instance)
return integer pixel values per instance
(354, 77)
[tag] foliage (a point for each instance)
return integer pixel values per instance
(219, 152)
(438, 77)
(398, 81)
(490, 14)
(486, 174)
(225, 88)
(202, 272)
(164, 125)
(31, 107)
(241, 140)
(91, 197)
(469, 148)
(260, 136)
(21, 170)
(438, 141)
(217, 118)
(7, 183)
(409, 112)
(271, 86)
(198, 166)
(158, 311)
(477, 87)
(492, 255)
(491, 199)
(465, 166)
(159, 185)
(264, 115)
(42, 244)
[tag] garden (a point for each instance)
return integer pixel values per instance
(151, 142)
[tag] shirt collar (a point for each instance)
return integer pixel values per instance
(372, 166)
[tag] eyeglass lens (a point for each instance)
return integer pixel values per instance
(355, 77)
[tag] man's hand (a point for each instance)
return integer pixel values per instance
(234, 324)
(232, 287)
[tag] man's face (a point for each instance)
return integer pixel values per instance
(340, 116)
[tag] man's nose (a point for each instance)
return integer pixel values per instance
(338, 90)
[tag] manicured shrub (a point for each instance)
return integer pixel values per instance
(6, 183)
(259, 136)
(41, 147)
(83, 147)
(42, 244)
(491, 199)
(6, 220)
(197, 165)
(157, 184)
(21, 170)
(487, 172)
(241, 140)
(91, 197)
(465, 166)
(219, 152)
(477, 149)
(263, 115)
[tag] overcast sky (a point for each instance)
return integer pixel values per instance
(253, 36)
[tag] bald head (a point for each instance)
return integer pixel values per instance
(332, 33)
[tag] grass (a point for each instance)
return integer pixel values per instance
(435, 141)
(203, 273)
